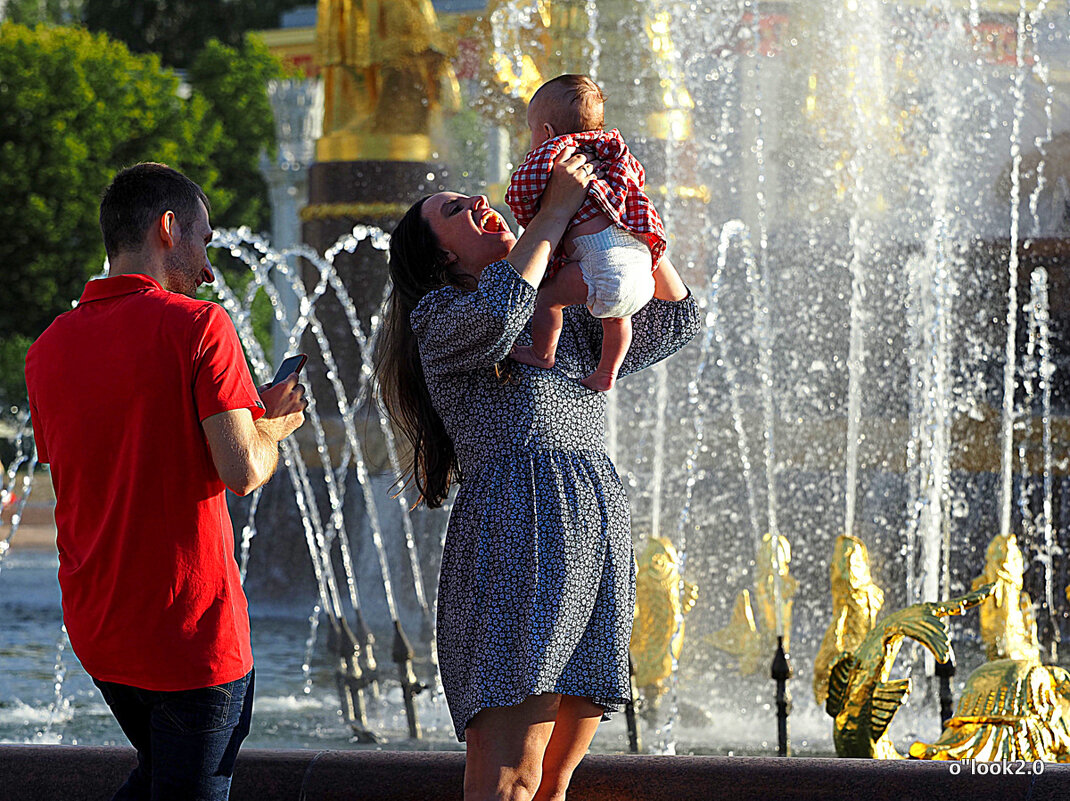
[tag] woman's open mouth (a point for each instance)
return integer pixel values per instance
(492, 222)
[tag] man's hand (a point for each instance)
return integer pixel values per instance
(246, 453)
(284, 408)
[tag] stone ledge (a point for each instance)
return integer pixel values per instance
(33, 772)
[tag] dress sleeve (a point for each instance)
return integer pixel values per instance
(460, 331)
(659, 329)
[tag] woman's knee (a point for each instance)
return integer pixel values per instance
(507, 784)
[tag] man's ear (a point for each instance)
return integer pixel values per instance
(550, 132)
(167, 229)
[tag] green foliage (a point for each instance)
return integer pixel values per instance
(234, 82)
(12, 369)
(32, 12)
(74, 109)
(178, 31)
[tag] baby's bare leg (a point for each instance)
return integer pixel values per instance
(616, 339)
(566, 288)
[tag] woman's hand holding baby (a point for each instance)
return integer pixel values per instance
(569, 178)
(572, 173)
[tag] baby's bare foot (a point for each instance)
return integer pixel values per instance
(600, 381)
(525, 354)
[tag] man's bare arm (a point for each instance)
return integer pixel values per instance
(246, 453)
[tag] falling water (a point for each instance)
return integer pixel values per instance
(734, 230)
(309, 318)
(310, 646)
(1007, 465)
(24, 454)
(1028, 367)
(591, 8)
(932, 287)
(263, 369)
(856, 368)
(1039, 352)
(866, 82)
(763, 327)
(57, 709)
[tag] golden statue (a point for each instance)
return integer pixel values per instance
(1007, 623)
(529, 44)
(862, 698)
(662, 600)
(1011, 709)
(743, 637)
(740, 637)
(386, 70)
(856, 602)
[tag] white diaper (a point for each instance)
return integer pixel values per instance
(617, 268)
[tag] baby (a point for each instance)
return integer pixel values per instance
(608, 255)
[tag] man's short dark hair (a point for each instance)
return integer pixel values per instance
(138, 196)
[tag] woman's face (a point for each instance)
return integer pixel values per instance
(469, 230)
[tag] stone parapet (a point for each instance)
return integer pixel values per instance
(33, 772)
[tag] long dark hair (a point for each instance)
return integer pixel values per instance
(417, 266)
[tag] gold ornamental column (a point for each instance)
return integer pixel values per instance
(386, 74)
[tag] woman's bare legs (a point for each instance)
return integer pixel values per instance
(577, 721)
(616, 339)
(528, 752)
(504, 757)
(566, 288)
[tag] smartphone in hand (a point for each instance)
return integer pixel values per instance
(291, 364)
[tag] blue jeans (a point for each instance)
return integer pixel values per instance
(187, 742)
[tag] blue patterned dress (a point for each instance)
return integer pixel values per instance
(537, 585)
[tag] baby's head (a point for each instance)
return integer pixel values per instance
(565, 104)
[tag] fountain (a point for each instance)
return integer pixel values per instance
(860, 194)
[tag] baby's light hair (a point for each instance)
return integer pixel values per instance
(572, 103)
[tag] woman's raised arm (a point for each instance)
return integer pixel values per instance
(667, 282)
(564, 194)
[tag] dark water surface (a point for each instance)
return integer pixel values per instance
(284, 715)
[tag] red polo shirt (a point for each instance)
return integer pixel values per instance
(118, 388)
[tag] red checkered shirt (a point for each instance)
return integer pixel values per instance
(619, 195)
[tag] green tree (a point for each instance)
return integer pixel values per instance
(178, 31)
(234, 82)
(75, 108)
(32, 12)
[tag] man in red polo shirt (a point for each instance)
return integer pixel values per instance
(144, 407)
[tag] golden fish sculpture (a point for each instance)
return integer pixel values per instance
(856, 602)
(1011, 709)
(661, 601)
(1008, 627)
(862, 696)
(752, 638)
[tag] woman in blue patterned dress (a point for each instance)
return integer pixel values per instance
(537, 586)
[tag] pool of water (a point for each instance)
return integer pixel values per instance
(292, 710)
(285, 715)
